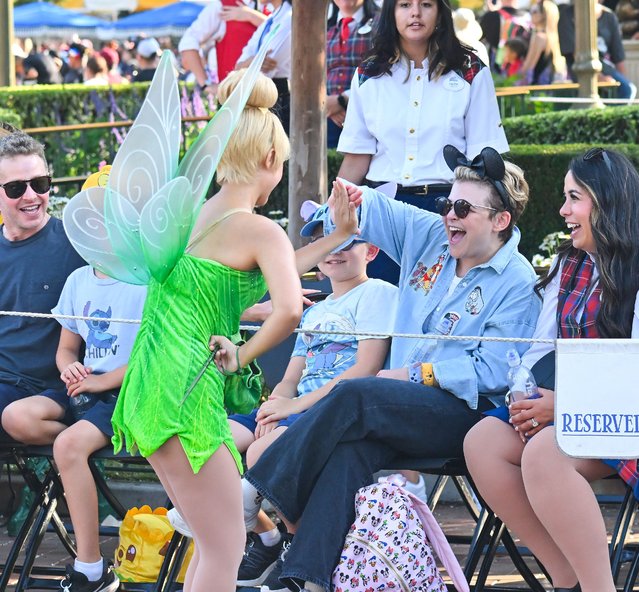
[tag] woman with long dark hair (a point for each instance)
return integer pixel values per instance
(419, 90)
(591, 291)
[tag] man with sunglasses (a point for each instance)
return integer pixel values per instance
(461, 275)
(36, 260)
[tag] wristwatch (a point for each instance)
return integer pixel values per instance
(343, 103)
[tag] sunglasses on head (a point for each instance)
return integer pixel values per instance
(598, 154)
(461, 206)
(16, 189)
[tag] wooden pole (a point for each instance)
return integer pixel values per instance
(307, 167)
(587, 65)
(7, 63)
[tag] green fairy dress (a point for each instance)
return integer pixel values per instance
(136, 229)
(199, 299)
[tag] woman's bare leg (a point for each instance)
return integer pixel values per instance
(559, 491)
(211, 503)
(493, 452)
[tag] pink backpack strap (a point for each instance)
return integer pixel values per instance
(438, 541)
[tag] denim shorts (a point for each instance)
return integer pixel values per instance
(249, 420)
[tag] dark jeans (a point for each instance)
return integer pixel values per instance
(383, 267)
(312, 472)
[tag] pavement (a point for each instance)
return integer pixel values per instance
(452, 516)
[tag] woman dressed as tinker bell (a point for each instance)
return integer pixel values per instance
(204, 264)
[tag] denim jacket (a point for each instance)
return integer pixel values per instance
(494, 299)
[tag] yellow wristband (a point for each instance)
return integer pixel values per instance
(428, 376)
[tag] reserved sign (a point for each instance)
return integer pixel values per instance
(597, 397)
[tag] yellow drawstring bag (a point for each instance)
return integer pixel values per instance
(144, 537)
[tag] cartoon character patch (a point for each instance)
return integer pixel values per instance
(448, 322)
(425, 278)
(98, 336)
(475, 302)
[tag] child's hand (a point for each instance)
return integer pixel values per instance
(75, 372)
(90, 384)
(343, 203)
(226, 358)
(276, 408)
(262, 429)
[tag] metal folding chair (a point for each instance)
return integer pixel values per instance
(43, 516)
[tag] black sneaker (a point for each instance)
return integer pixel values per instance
(272, 582)
(75, 581)
(258, 561)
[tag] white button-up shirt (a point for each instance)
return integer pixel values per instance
(404, 120)
(280, 49)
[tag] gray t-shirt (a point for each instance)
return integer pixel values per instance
(32, 274)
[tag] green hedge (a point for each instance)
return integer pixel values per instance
(10, 116)
(78, 153)
(618, 125)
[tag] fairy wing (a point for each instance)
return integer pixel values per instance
(202, 158)
(103, 223)
(85, 225)
(139, 225)
(174, 210)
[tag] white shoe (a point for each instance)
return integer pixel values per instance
(633, 93)
(417, 489)
(179, 523)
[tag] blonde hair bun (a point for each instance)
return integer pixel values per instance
(263, 96)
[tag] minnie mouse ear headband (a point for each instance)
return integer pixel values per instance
(488, 164)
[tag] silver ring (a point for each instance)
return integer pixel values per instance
(534, 422)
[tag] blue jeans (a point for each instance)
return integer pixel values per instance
(383, 267)
(311, 473)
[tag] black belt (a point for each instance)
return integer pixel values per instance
(416, 189)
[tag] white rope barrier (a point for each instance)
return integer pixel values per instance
(252, 328)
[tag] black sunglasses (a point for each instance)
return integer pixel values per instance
(598, 154)
(461, 206)
(16, 189)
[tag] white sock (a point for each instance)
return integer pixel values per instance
(271, 537)
(312, 587)
(252, 500)
(93, 571)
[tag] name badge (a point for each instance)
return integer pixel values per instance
(366, 28)
(454, 83)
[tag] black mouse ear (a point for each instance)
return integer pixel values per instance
(454, 157)
(493, 164)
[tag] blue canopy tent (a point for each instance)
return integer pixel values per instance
(172, 19)
(43, 19)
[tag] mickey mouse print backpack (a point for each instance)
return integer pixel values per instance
(391, 545)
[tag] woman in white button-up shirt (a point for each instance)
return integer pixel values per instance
(420, 90)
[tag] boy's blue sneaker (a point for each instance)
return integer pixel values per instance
(75, 581)
(272, 582)
(258, 561)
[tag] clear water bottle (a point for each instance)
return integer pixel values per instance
(521, 382)
(81, 403)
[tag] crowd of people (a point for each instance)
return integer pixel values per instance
(350, 403)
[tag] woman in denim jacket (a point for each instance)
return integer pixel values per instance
(461, 274)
